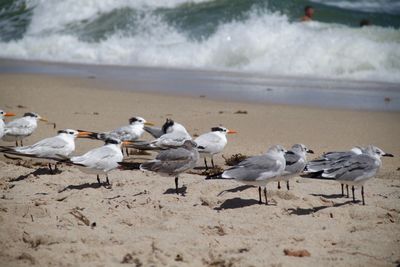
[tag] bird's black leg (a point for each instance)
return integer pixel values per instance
(107, 181)
(342, 189)
(205, 163)
(279, 184)
(347, 189)
(352, 190)
(22, 143)
(176, 185)
(55, 168)
(287, 185)
(212, 162)
(98, 179)
(127, 151)
(16, 142)
(265, 195)
(259, 195)
(362, 194)
(51, 170)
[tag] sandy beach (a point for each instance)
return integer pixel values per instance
(67, 219)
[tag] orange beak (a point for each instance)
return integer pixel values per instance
(127, 143)
(83, 134)
(9, 114)
(231, 132)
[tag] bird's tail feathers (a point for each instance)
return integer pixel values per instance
(123, 165)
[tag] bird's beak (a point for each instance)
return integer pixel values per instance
(127, 143)
(310, 151)
(43, 119)
(149, 124)
(231, 132)
(84, 134)
(9, 114)
(388, 155)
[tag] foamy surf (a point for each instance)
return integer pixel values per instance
(176, 34)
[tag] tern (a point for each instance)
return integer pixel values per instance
(212, 143)
(317, 166)
(131, 132)
(21, 128)
(2, 124)
(296, 160)
(356, 170)
(175, 135)
(101, 160)
(259, 170)
(56, 148)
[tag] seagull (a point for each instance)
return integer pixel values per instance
(101, 160)
(259, 170)
(317, 166)
(56, 148)
(357, 169)
(296, 160)
(20, 128)
(131, 132)
(2, 124)
(171, 162)
(175, 135)
(212, 143)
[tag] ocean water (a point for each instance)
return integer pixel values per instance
(257, 36)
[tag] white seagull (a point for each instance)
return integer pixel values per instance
(101, 160)
(20, 128)
(212, 143)
(56, 148)
(2, 124)
(296, 161)
(357, 169)
(259, 170)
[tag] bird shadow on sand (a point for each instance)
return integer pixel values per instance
(235, 203)
(301, 211)
(37, 172)
(85, 186)
(181, 191)
(236, 189)
(329, 196)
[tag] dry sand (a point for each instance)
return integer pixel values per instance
(138, 221)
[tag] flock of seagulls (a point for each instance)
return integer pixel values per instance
(178, 152)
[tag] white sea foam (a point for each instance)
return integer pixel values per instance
(266, 43)
(54, 14)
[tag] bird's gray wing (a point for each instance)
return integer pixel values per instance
(291, 158)
(328, 161)
(251, 168)
(174, 154)
(171, 161)
(294, 164)
(154, 131)
(353, 168)
(124, 133)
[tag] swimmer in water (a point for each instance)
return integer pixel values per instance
(308, 13)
